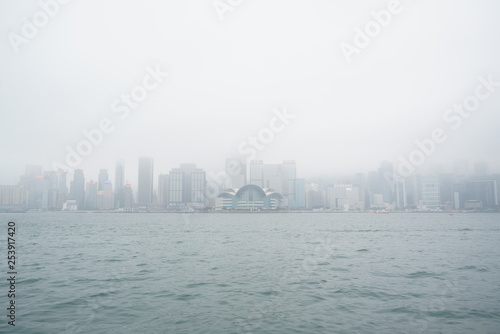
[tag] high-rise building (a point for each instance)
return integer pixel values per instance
(315, 199)
(50, 189)
(103, 177)
(32, 182)
(330, 196)
(77, 188)
(107, 196)
(278, 177)
(128, 196)
(91, 195)
(186, 187)
(163, 180)
(360, 180)
(430, 192)
(446, 190)
(299, 193)
(372, 188)
(54, 190)
(288, 173)
(198, 182)
(386, 181)
(413, 185)
(119, 184)
(272, 177)
(235, 173)
(145, 184)
(12, 196)
(344, 197)
(257, 173)
(484, 191)
(459, 194)
(62, 193)
(187, 170)
(496, 178)
(400, 193)
(175, 187)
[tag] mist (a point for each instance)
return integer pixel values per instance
(211, 78)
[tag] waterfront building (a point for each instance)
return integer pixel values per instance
(145, 181)
(249, 198)
(77, 189)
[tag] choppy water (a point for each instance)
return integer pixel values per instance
(255, 273)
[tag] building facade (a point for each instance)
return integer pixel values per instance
(145, 181)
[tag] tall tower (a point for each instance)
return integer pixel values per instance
(33, 184)
(62, 188)
(103, 177)
(289, 174)
(430, 192)
(107, 198)
(386, 182)
(163, 181)
(186, 186)
(91, 198)
(235, 173)
(119, 184)
(49, 190)
(257, 173)
(145, 184)
(77, 188)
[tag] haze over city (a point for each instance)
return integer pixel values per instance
(225, 78)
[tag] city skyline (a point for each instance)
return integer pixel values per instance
(459, 167)
(278, 186)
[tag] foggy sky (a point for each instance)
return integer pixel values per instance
(227, 76)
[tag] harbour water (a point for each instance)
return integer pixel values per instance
(255, 273)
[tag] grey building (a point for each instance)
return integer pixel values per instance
(145, 181)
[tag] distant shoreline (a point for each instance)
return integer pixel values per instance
(245, 212)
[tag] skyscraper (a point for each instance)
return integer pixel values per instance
(119, 184)
(484, 191)
(103, 177)
(107, 196)
(235, 173)
(91, 196)
(77, 188)
(257, 173)
(272, 177)
(186, 186)
(32, 181)
(50, 189)
(400, 194)
(198, 180)
(430, 192)
(446, 189)
(145, 184)
(62, 193)
(288, 176)
(175, 187)
(128, 196)
(387, 181)
(299, 193)
(163, 180)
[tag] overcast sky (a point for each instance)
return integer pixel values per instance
(227, 76)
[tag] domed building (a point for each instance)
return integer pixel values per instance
(249, 198)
